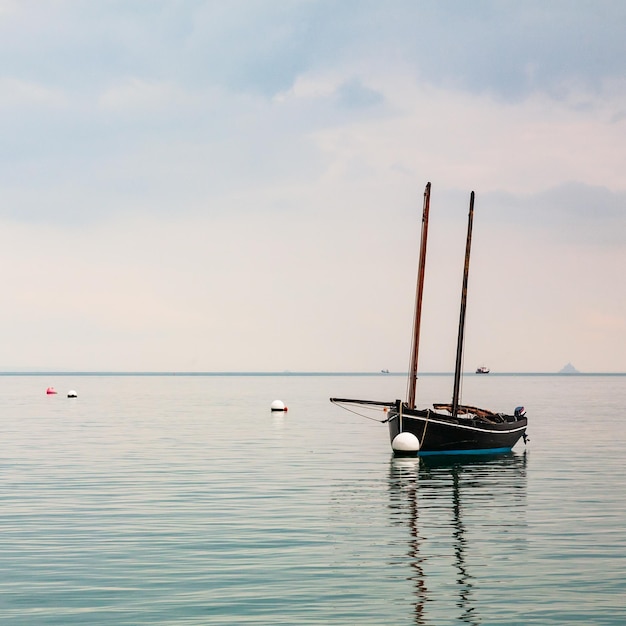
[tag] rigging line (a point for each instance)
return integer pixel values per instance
(408, 381)
(462, 377)
(367, 417)
(426, 424)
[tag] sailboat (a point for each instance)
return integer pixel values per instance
(451, 427)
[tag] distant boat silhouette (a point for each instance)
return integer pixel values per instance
(384, 371)
(482, 370)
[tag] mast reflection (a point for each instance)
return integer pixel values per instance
(432, 494)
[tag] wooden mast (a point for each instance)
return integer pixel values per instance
(418, 301)
(459, 345)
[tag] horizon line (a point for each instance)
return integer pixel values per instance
(52, 372)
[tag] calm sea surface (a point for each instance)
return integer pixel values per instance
(184, 500)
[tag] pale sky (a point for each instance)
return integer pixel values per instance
(237, 186)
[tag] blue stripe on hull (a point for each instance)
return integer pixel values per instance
(461, 452)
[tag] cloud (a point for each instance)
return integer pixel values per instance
(507, 50)
(572, 213)
(237, 185)
(354, 95)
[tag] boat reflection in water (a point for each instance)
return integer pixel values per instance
(466, 517)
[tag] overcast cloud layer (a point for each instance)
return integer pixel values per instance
(210, 186)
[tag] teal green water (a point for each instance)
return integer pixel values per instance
(184, 500)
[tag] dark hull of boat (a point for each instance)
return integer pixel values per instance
(439, 433)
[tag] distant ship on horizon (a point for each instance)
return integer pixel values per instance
(482, 370)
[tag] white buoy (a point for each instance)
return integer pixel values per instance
(278, 405)
(405, 444)
(72, 394)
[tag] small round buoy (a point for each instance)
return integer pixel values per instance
(72, 394)
(278, 405)
(51, 391)
(405, 444)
